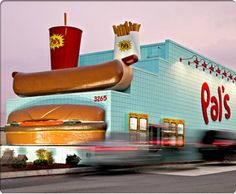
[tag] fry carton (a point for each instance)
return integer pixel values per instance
(126, 40)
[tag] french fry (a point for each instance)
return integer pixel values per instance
(115, 29)
(118, 31)
(124, 30)
(130, 26)
(135, 27)
(121, 30)
(134, 24)
(127, 27)
(139, 25)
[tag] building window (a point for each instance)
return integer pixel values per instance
(134, 124)
(143, 124)
(173, 134)
(138, 127)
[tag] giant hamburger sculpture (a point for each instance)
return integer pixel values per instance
(63, 124)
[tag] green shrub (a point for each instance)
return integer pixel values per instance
(17, 163)
(40, 162)
(43, 154)
(72, 160)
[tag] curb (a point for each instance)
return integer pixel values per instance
(43, 172)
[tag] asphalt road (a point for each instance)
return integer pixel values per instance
(203, 179)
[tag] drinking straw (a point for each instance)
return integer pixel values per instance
(65, 19)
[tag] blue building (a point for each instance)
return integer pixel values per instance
(171, 85)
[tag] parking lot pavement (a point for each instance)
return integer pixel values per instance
(154, 181)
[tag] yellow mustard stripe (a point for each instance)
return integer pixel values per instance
(57, 131)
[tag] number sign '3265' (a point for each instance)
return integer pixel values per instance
(100, 98)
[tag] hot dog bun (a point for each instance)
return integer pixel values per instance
(82, 113)
(53, 124)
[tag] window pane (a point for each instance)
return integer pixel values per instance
(143, 124)
(133, 123)
(180, 129)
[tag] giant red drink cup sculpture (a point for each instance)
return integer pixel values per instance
(64, 46)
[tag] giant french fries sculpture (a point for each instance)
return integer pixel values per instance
(126, 40)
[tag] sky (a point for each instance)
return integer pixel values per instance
(209, 28)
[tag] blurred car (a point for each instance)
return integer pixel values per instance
(219, 145)
(120, 153)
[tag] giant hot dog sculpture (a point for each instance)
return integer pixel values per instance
(58, 124)
(115, 75)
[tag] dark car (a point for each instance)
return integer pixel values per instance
(218, 145)
(120, 152)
